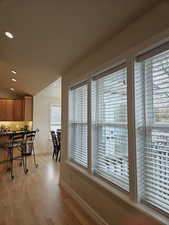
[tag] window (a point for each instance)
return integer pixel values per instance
(110, 130)
(98, 121)
(152, 123)
(78, 125)
(55, 121)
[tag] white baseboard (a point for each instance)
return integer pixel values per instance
(84, 205)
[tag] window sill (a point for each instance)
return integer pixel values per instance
(119, 194)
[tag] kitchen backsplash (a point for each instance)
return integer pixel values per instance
(15, 126)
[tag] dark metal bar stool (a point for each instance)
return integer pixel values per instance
(29, 142)
(17, 142)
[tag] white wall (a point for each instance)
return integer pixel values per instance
(41, 115)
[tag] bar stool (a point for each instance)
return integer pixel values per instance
(17, 142)
(29, 142)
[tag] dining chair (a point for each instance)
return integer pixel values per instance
(59, 142)
(55, 145)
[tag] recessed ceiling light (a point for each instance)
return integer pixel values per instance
(9, 35)
(12, 89)
(13, 71)
(13, 79)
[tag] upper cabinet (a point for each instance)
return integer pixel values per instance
(2, 109)
(6, 110)
(9, 109)
(16, 109)
(28, 108)
(18, 113)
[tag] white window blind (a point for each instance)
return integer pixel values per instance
(152, 124)
(78, 125)
(110, 130)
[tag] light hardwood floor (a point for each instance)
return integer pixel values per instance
(37, 199)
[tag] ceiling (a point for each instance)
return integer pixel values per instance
(52, 35)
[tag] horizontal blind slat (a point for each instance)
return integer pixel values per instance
(152, 77)
(78, 124)
(109, 122)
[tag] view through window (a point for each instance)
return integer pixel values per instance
(55, 122)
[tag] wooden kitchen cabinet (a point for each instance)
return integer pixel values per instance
(16, 109)
(6, 110)
(9, 110)
(2, 110)
(28, 108)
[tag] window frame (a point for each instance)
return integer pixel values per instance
(72, 87)
(107, 72)
(155, 124)
(131, 59)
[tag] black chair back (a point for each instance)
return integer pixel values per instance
(56, 146)
(29, 140)
(30, 149)
(18, 139)
(59, 142)
(30, 136)
(17, 142)
(59, 137)
(54, 139)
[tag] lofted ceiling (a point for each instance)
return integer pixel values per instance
(52, 35)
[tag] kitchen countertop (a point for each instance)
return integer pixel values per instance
(10, 133)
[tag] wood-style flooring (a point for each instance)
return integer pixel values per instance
(37, 199)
